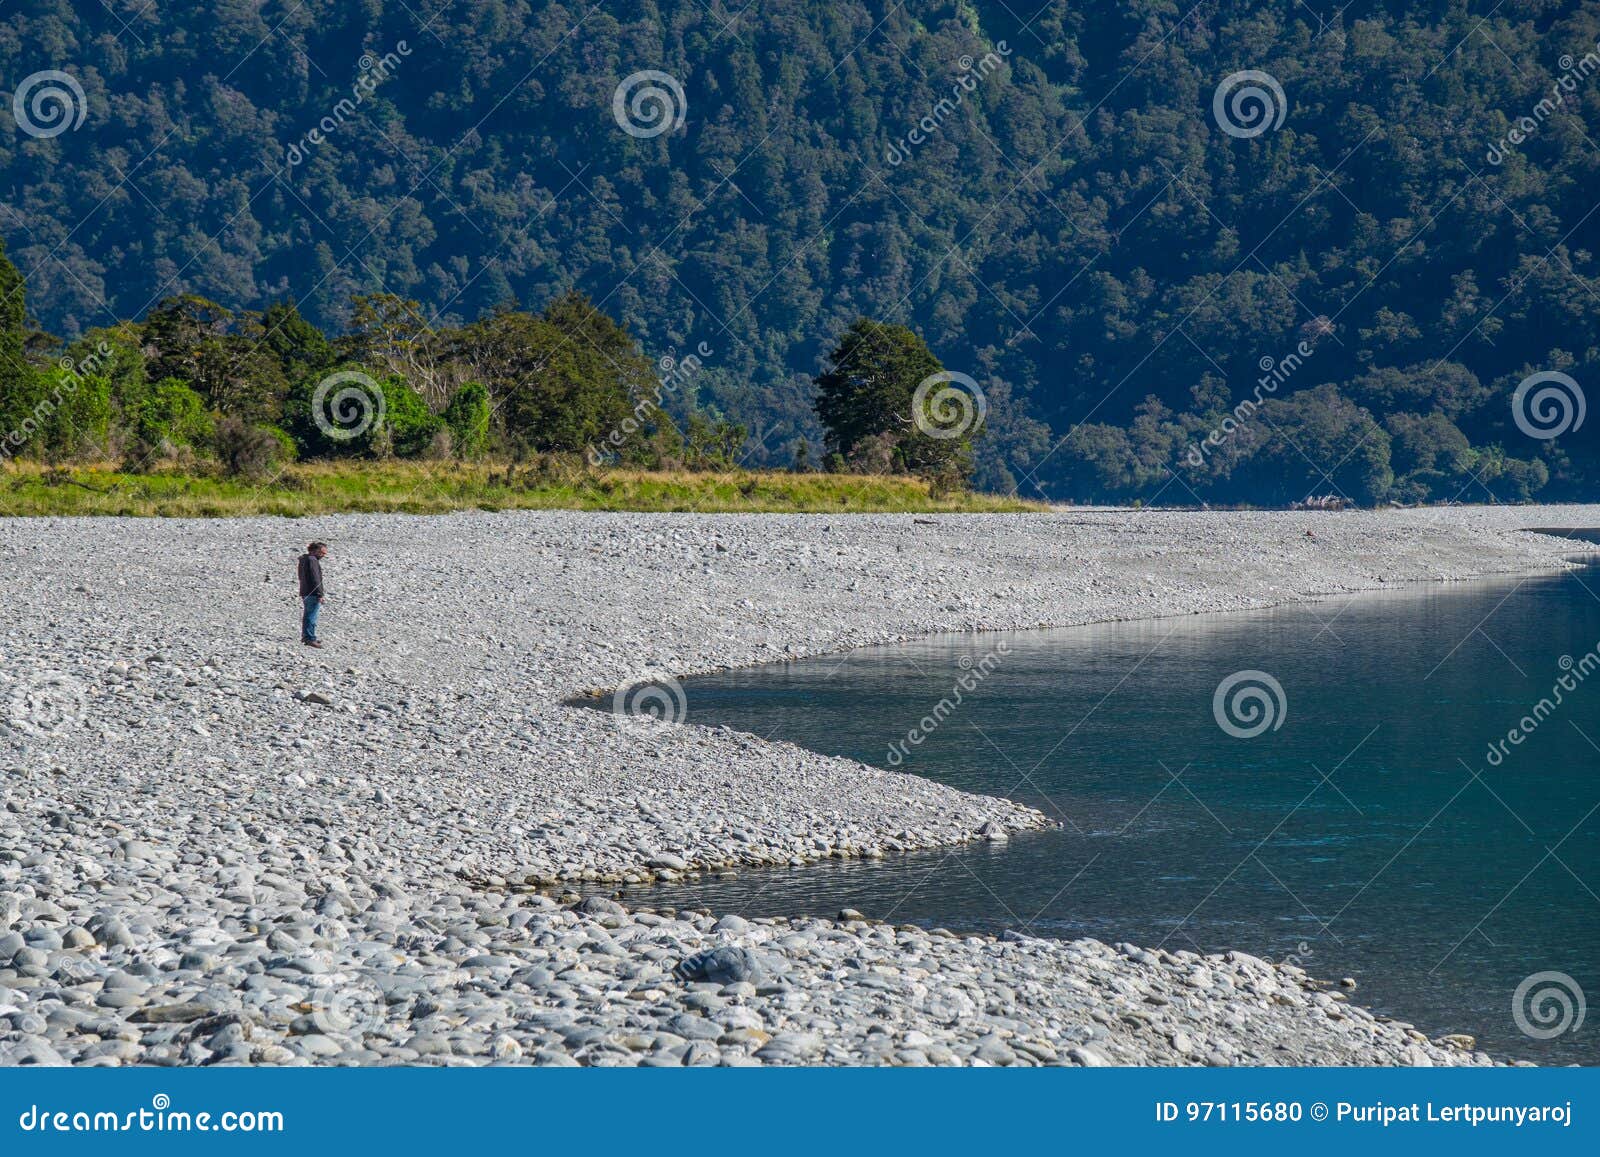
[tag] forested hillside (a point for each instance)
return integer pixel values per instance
(1342, 286)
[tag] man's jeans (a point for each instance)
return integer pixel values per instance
(308, 619)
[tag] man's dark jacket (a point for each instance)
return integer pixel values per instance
(310, 576)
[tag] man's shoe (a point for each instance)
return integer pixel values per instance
(311, 642)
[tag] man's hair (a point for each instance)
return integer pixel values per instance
(316, 546)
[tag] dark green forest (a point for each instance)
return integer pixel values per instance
(1155, 307)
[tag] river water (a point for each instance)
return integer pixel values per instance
(1372, 819)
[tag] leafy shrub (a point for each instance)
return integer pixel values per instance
(173, 416)
(407, 422)
(360, 417)
(70, 416)
(248, 451)
(288, 451)
(467, 417)
(439, 449)
(875, 454)
(713, 445)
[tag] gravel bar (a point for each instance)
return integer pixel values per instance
(220, 847)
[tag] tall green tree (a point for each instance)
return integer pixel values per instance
(18, 379)
(301, 349)
(564, 380)
(225, 356)
(883, 404)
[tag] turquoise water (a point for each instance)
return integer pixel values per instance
(1370, 833)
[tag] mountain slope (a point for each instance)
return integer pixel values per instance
(1052, 200)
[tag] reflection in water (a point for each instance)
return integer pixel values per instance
(1366, 834)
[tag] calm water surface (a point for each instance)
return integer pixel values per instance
(1367, 835)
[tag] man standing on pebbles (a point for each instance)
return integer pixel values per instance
(311, 592)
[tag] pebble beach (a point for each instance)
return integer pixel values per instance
(220, 847)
